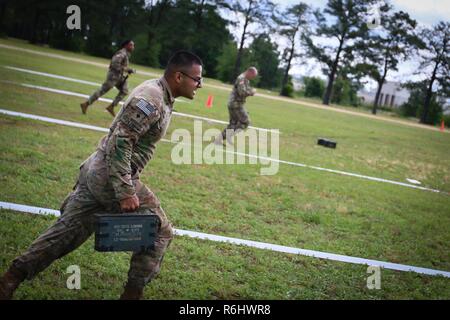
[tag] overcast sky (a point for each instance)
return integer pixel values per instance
(427, 13)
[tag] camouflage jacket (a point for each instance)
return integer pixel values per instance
(131, 142)
(119, 62)
(241, 89)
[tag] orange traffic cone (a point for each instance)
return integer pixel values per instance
(209, 102)
(442, 126)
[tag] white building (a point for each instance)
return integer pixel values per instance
(445, 102)
(297, 82)
(392, 95)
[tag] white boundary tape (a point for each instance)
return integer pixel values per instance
(85, 126)
(53, 76)
(70, 93)
(62, 57)
(52, 120)
(260, 245)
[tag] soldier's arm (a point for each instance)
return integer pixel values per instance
(244, 88)
(135, 120)
(249, 91)
(143, 151)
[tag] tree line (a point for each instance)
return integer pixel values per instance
(338, 37)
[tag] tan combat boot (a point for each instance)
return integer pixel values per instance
(132, 293)
(230, 138)
(219, 140)
(110, 109)
(9, 282)
(84, 107)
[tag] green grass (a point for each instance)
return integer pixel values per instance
(298, 207)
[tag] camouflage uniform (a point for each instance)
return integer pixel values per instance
(238, 116)
(118, 69)
(109, 175)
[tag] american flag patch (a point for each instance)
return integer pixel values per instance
(145, 107)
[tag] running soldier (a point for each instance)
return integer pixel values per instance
(117, 77)
(239, 119)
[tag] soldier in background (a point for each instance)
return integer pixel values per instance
(239, 119)
(109, 181)
(117, 77)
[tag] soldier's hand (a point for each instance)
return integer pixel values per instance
(129, 204)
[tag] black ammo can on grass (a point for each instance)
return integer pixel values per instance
(327, 143)
(125, 232)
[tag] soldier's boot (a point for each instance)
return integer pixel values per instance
(110, 109)
(9, 282)
(230, 136)
(219, 140)
(84, 107)
(132, 293)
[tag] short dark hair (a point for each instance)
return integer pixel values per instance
(182, 60)
(125, 43)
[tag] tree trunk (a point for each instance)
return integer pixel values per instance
(199, 15)
(150, 23)
(49, 32)
(376, 103)
(237, 65)
(23, 30)
(288, 67)
(429, 93)
(326, 98)
(35, 29)
(2, 16)
(153, 24)
(163, 8)
(112, 25)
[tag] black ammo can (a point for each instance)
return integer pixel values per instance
(125, 232)
(326, 143)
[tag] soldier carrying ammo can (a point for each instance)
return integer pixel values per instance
(109, 181)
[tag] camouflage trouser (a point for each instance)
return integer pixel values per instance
(111, 81)
(91, 195)
(238, 117)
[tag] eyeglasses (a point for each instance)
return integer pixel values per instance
(199, 81)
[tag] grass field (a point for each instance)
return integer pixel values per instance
(298, 207)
